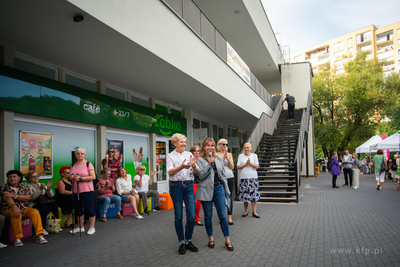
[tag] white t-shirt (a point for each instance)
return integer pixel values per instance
(124, 186)
(174, 160)
(145, 183)
(248, 171)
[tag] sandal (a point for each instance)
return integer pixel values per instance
(104, 219)
(119, 217)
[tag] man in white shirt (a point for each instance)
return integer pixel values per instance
(348, 168)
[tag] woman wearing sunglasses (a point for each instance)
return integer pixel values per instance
(111, 161)
(227, 158)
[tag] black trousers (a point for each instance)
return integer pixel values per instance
(334, 177)
(348, 176)
(291, 111)
(231, 186)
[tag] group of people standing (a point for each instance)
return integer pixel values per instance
(351, 169)
(204, 175)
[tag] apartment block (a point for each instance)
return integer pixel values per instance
(382, 43)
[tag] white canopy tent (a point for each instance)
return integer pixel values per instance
(392, 143)
(365, 148)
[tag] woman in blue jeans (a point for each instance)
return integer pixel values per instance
(213, 187)
(106, 192)
(179, 163)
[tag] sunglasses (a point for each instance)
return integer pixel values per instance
(142, 169)
(224, 144)
(109, 151)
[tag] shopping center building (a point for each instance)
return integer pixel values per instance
(129, 74)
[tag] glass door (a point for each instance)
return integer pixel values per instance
(161, 164)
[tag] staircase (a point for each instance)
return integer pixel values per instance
(276, 153)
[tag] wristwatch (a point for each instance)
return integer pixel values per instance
(80, 179)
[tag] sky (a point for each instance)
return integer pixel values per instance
(303, 23)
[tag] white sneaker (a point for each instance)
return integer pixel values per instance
(2, 245)
(138, 217)
(76, 230)
(91, 231)
(45, 232)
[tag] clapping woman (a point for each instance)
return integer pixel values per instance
(248, 189)
(228, 165)
(126, 191)
(213, 188)
(42, 196)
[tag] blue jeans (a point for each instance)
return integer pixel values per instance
(183, 192)
(107, 200)
(219, 202)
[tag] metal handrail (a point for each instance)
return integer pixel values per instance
(305, 118)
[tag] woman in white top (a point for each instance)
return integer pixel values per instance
(248, 189)
(126, 191)
(227, 158)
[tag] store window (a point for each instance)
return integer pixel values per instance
(35, 68)
(80, 82)
(140, 101)
(115, 93)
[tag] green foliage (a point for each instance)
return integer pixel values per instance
(348, 107)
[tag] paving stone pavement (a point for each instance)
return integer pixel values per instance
(328, 227)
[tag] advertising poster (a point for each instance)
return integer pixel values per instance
(36, 153)
(118, 148)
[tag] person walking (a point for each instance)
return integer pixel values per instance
(179, 162)
(348, 169)
(335, 169)
(378, 161)
(290, 100)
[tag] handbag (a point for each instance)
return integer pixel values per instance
(383, 166)
(44, 199)
(52, 224)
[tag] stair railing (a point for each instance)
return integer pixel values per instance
(305, 119)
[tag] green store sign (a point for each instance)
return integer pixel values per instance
(28, 93)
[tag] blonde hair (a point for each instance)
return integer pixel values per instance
(355, 154)
(203, 152)
(139, 167)
(220, 141)
(177, 137)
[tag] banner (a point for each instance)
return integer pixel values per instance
(237, 64)
(36, 153)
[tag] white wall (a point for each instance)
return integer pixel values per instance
(171, 40)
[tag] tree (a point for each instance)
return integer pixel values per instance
(348, 107)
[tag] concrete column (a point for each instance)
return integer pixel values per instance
(188, 115)
(101, 146)
(101, 87)
(152, 156)
(7, 56)
(6, 143)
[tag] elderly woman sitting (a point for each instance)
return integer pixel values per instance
(15, 207)
(42, 197)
